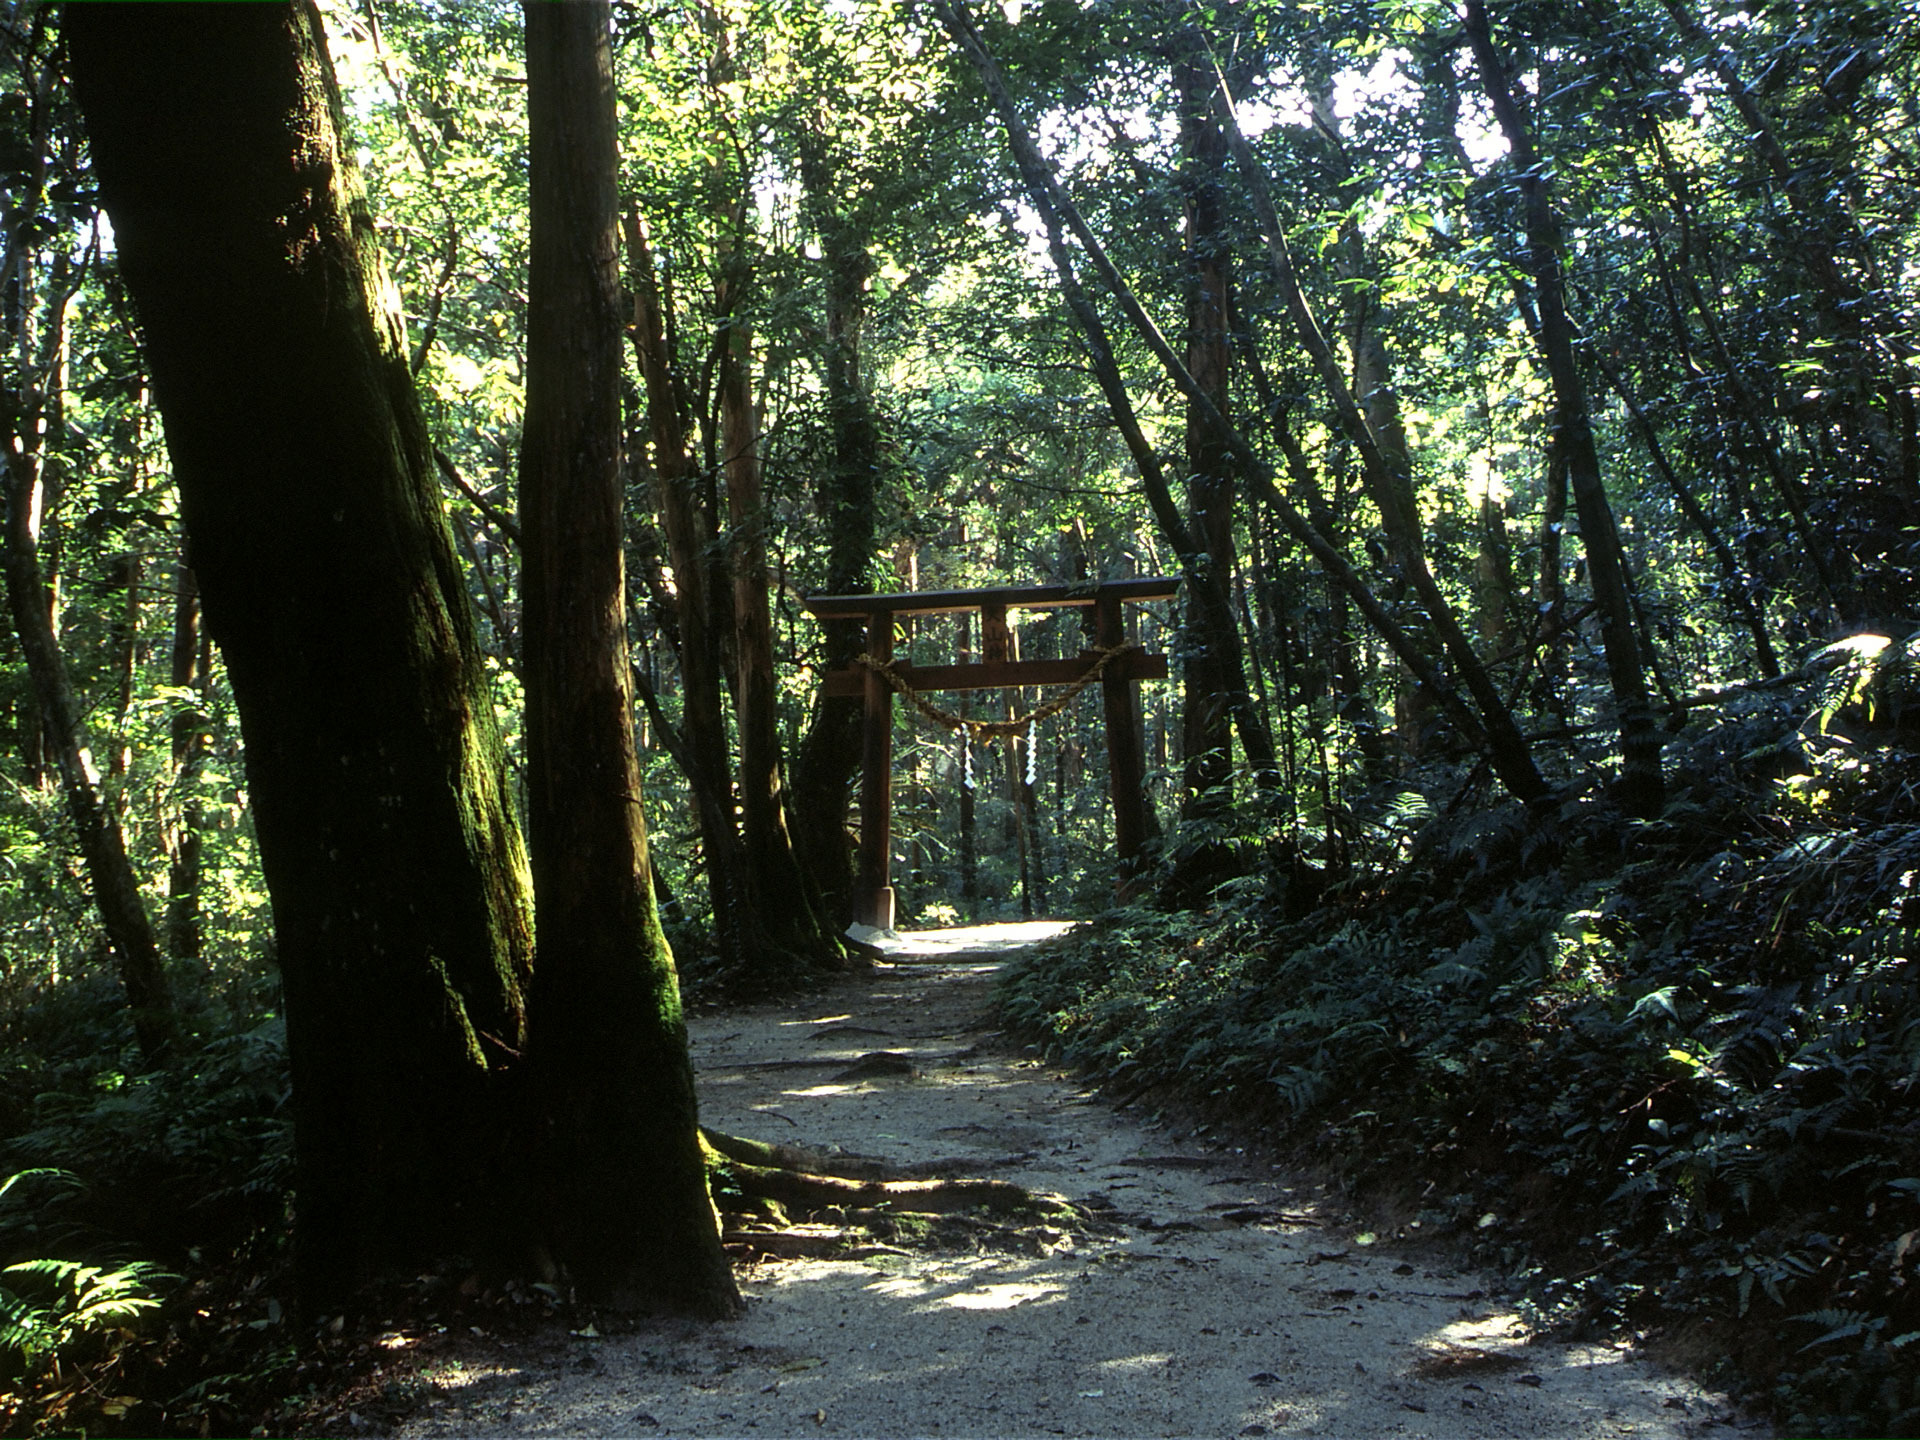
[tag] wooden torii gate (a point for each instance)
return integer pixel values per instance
(1118, 669)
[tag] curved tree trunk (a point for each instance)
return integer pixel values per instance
(30, 415)
(116, 889)
(1642, 787)
(328, 577)
(627, 1205)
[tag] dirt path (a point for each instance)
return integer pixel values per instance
(1218, 1303)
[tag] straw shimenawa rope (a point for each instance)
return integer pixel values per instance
(977, 728)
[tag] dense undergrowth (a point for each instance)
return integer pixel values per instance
(143, 1262)
(1660, 1072)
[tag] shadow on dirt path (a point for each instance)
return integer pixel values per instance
(1209, 1296)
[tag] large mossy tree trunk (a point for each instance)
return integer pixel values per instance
(399, 884)
(628, 1209)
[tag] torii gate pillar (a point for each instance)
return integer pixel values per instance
(1126, 746)
(873, 890)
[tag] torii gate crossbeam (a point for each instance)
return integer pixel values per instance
(873, 893)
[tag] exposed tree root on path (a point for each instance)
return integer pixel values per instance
(773, 1198)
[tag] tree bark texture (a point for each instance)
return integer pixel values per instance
(328, 579)
(628, 1210)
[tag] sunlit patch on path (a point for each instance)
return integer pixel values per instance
(959, 939)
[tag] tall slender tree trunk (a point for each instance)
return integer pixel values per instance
(1642, 787)
(763, 940)
(116, 889)
(628, 1207)
(1344, 684)
(1057, 211)
(1493, 729)
(783, 898)
(1390, 482)
(1550, 586)
(1493, 575)
(1207, 685)
(703, 729)
(969, 784)
(129, 574)
(1846, 312)
(1745, 414)
(828, 756)
(186, 817)
(1490, 726)
(1740, 592)
(328, 576)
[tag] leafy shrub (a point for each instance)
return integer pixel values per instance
(50, 1308)
(63, 1322)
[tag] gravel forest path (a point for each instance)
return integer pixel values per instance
(1212, 1295)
